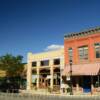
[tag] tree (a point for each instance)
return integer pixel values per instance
(12, 65)
(14, 68)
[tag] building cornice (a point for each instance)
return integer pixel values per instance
(83, 33)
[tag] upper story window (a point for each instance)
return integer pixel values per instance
(45, 63)
(34, 64)
(56, 61)
(97, 50)
(83, 52)
(70, 53)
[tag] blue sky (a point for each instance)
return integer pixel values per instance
(33, 25)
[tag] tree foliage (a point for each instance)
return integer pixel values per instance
(12, 65)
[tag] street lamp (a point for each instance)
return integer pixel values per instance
(98, 81)
(71, 89)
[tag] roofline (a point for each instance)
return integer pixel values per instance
(47, 51)
(82, 33)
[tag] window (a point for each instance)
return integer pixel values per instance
(34, 64)
(70, 53)
(97, 50)
(45, 63)
(56, 61)
(83, 52)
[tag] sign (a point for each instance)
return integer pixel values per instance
(48, 77)
(68, 78)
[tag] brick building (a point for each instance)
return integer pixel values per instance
(83, 49)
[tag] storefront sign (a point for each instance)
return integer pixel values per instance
(68, 78)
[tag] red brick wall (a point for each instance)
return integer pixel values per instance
(80, 41)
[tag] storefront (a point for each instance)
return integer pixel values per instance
(85, 78)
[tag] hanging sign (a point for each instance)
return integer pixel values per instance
(68, 78)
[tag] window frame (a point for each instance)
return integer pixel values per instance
(97, 50)
(84, 54)
(35, 64)
(54, 61)
(44, 64)
(70, 53)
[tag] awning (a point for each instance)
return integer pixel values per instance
(82, 69)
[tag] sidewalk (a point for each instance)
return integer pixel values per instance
(45, 92)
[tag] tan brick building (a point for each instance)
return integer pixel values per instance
(44, 69)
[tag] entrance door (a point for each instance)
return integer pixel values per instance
(87, 84)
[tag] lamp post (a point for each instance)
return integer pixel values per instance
(71, 90)
(98, 81)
